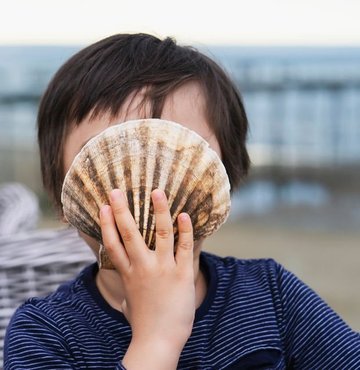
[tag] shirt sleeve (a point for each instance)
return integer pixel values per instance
(314, 336)
(32, 341)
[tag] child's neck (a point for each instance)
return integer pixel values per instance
(111, 288)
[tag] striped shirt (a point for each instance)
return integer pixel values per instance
(256, 315)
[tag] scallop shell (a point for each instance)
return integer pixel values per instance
(138, 157)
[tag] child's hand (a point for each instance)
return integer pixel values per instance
(159, 288)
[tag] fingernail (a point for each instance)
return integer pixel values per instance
(184, 217)
(157, 194)
(116, 195)
(104, 210)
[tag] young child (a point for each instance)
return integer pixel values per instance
(157, 310)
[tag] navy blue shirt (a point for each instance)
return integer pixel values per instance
(256, 315)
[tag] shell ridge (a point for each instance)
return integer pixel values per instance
(162, 170)
(111, 167)
(180, 168)
(87, 198)
(149, 175)
(179, 187)
(97, 183)
(134, 144)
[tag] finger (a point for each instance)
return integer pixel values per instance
(133, 242)
(111, 239)
(185, 246)
(163, 224)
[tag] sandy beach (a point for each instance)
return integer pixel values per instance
(327, 261)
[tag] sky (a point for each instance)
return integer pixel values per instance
(226, 22)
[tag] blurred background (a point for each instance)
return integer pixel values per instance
(297, 65)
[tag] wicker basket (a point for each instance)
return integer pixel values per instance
(34, 264)
(19, 209)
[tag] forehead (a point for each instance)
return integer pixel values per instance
(186, 105)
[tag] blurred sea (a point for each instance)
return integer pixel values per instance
(303, 105)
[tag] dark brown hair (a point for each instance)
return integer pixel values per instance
(100, 77)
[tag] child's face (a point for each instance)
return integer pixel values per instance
(184, 106)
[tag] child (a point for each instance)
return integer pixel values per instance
(193, 310)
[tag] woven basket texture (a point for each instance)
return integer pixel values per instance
(19, 209)
(33, 264)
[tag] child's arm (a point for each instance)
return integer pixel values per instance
(159, 288)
